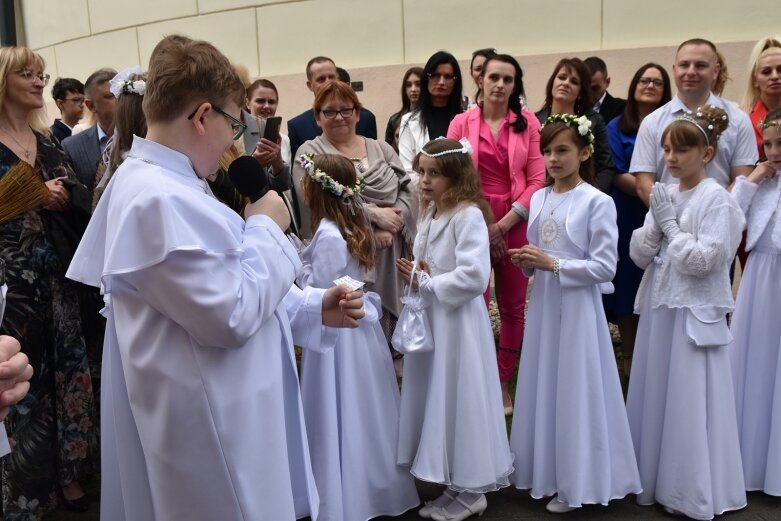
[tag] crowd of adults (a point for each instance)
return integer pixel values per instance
(54, 429)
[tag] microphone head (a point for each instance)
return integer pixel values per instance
(248, 177)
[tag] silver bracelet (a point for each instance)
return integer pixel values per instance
(557, 263)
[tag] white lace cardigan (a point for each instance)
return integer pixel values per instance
(693, 268)
(759, 203)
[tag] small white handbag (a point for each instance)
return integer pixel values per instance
(413, 332)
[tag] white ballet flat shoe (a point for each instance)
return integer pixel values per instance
(557, 506)
(673, 512)
(478, 507)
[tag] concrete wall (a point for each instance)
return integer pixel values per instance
(377, 40)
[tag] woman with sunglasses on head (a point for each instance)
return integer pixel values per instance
(569, 92)
(648, 90)
(391, 204)
(506, 152)
(410, 96)
(440, 102)
(52, 430)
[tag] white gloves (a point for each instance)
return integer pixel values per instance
(662, 208)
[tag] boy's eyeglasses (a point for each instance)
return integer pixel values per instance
(237, 126)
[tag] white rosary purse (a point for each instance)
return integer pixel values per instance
(413, 331)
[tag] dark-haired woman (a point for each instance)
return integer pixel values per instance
(476, 71)
(410, 95)
(506, 152)
(648, 90)
(568, 92)
(440, 102)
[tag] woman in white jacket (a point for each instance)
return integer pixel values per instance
(440, 101)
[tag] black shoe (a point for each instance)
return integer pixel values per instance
(81, 504)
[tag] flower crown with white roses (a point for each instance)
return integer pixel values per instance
(122, 84)
(581, 124)
(328, 183)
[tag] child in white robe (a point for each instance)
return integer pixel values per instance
(201, 412)
(755, 351)
(680, 404)
(570, 434)
(452, 428)
(350, 393)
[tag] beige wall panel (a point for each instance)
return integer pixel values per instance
(353, 33)
(47, 22)
(232, 32)
(512, 26)
(107, 15)
(665, 22)
(210, 6)
(80, 58)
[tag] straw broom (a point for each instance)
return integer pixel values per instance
(21, 190)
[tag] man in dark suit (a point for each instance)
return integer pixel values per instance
(302, 128)
(68, 94)
(607, 106)
(85, 148)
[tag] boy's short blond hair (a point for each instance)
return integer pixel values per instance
(184, 72)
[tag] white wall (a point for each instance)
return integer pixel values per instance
(378, 39)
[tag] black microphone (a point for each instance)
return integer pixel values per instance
(248, 177)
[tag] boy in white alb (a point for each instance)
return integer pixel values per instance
(201, 413)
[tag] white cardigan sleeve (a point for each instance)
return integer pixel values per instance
(600, 264)
(716, 239)
(473, 264)
(645, 242)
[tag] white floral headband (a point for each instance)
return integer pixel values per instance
(327, 182)
(581, 124)
(466, 148)
(122, 84)
(693, 118)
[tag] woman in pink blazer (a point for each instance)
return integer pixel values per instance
(506, 151)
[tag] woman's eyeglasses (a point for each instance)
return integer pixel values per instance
(331, 114)
(30, 76)
(651, 81)
(437, 77)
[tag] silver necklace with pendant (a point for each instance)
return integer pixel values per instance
(550, 227)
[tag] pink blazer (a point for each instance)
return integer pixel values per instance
(527, 167)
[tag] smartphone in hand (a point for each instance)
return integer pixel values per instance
(271, 130)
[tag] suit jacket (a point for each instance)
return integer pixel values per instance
(611, 107)
(527, 167)
(83, 150)
(60, 130)
(303, 127)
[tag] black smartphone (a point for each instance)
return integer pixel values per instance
(271, 132)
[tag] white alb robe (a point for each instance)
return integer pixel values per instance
(201, 412)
